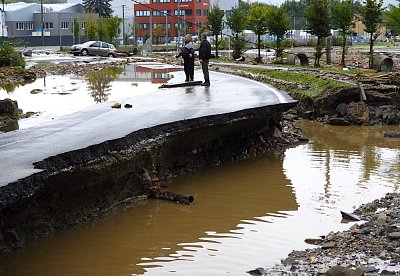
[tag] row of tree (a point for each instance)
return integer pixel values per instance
(317, 17)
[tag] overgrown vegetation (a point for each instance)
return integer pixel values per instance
(10, 57)
(306, 85)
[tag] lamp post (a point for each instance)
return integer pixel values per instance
(123, 24)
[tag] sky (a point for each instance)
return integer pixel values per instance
(279, 2)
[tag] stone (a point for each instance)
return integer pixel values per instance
(116, 105)
(381, 220)
(393, 118)
(349, 216)
(394, 236)
(387, 273)
(339, 271)
(358, 112)
(369, 269)
(338, 121)
(341, 109)
(257, 271)
(328, 245)
(9, 107)
(128, 106)
(392, 134)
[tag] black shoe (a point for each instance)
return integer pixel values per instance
(205, 84)
(191, 79)
(186, 80)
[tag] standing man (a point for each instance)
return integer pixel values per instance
(204, 56)
(187, 54)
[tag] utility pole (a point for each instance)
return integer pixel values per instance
(123, 24)
(134, 25)
(42, 20)
(166, 32)
(179, 26)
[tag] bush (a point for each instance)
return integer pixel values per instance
(10, 57)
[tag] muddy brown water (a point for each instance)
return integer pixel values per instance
(246, 214)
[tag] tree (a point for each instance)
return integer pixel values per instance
(91, 26)
(111, 27)
(237, 23)
(318, 24)
(342, 19)
(76, 30)
(278, 25)
(214, 24)
(158, 29)
(393, 17)
(257, 20)
(372, 13)
(102, 7)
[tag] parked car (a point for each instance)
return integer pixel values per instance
(94, 48)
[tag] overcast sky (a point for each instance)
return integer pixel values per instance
(279, 2)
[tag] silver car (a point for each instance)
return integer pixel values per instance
(94, 48)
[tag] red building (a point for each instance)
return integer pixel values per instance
(169, 18)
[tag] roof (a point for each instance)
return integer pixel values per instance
(17, 6)
(48, 7)
(59, 7)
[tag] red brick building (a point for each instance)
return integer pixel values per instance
(163, 15)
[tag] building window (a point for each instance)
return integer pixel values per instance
(183, 1)
(64, 25)
(205, 12)
(160, 13)
(83, 25)
(188, 12)
(182, 12)
(198, 1)
(48, 25)
(161, 1)
(142, 13)
(143, 26)
(198, 11)
(20, 26)
(29, 25)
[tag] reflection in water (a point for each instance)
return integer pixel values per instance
(99, 82)
(10, 86)
(148, 71)
(345, 144)
(11, 126)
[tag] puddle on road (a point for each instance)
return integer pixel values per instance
(54, 96)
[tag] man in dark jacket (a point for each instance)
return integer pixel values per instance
(204, 56)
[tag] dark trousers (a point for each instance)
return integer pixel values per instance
(204, 67)
(188, 65)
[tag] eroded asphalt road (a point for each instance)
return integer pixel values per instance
(98, 123)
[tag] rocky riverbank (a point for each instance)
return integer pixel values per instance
(369, 247)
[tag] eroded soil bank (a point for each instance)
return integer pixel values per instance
(78, 186)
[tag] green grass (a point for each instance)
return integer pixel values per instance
(314, 86)
(46, 64)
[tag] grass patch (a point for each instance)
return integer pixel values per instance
(300, 85)
(46, 64)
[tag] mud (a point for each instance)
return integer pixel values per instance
(78, 186)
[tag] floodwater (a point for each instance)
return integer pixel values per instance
(246, 214)
(54, 96)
